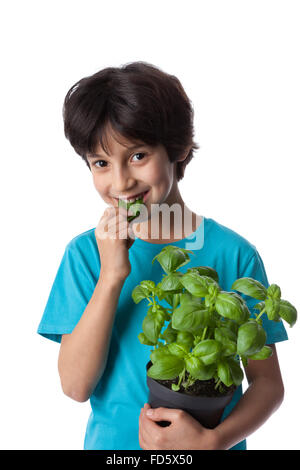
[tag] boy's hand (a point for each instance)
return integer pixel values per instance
(114, 238)
(184, 432)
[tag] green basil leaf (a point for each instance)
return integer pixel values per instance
(172, 257)
(264, 353)
(130, 218)
(169, 334)
(167, 368)
(231, 325)
(274, 291)
(168, 298)
(236, 372)
(124, 204)
(208, 351)
(139, 293)
(159, 292)
(186, 299)
(260, 306)
(185, 338)
(251, 338)
(272, 308)
(152, 325)
(160, 316)
(229, 306)
(197, 369)
(175, 387)
(213, 292)
(225, 333)
(205, 271)
(172, 282)
(178, 350)
(161, 313)
(228, 340)
(244, 306)
(148, 285)
(195, 284)
(192, 365)
(190, 317)
(144, 340)
(134, 207)
(159, 353)
(251, 287)
(176, 299)
(224, 373)
(288, 312)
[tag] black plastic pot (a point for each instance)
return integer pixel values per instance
(207, 410)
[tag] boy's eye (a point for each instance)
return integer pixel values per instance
(100, 161)
(103, 163)
(139, 153)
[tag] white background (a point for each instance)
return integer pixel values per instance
(239, 64)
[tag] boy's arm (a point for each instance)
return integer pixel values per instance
(83, 353)
(263, 396)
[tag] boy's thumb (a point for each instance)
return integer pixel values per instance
(161, 414)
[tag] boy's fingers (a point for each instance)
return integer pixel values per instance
(114, 211)
(114, 224)
(113, 217)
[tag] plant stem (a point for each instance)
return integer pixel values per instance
(204, 333)
(217, 384)
(181, 375)
(258, 317)
(189, 382)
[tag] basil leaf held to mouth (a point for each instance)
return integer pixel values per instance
(134, 207)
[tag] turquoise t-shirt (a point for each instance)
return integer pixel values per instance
(122, 391)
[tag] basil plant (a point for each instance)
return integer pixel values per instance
(208, 331)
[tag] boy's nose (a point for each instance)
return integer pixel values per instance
(122, 181)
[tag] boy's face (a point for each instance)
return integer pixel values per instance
(126, 173)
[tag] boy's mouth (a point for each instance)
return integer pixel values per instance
(135, 197)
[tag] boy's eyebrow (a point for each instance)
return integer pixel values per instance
(132, 147)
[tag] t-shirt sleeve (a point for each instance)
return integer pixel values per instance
(71, 291)
(276, 331)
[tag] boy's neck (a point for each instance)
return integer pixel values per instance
(185, 230)
(169, 226)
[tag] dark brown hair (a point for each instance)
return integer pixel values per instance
(140, 102)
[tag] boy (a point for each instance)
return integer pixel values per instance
(111, 118)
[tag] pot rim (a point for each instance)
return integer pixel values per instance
(192, 398)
